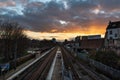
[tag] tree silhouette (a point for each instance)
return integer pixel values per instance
(13, 40)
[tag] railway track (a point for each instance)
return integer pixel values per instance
(78, 70)
(69, 66)
(40, 69)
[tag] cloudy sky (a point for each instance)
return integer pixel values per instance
(61, 18)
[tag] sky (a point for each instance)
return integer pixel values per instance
(62, 19)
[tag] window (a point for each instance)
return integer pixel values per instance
(115, 35)
(111, 38)
(110, 32)
(114, 25)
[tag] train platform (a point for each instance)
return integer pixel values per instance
(55, 72)
(20, 68)
(11, 72)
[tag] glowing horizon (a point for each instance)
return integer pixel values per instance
(60, 36)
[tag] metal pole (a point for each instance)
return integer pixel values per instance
(3, 76)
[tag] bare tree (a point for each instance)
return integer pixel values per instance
(13, 39)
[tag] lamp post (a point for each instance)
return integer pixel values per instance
(3, 73)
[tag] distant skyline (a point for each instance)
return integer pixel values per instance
(62, 19)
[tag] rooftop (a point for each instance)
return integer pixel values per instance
(113, 25)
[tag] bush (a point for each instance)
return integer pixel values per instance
(109, 58)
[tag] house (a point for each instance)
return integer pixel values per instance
(92, 42)
(89, 42)
(95, 44)
(112, 36)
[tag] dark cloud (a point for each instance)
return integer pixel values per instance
(110, 5)
(45, 17)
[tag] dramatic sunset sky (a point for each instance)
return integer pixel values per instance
(62, 19)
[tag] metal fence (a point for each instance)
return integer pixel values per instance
(113, 73)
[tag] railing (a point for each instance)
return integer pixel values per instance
(108, 70)
(113, 73)
(104, 68)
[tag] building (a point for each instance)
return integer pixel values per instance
(113, 30)
(94, 42)
(89, 44)
(78, 38)
(94, 37)
(91, 37)
(112, 36)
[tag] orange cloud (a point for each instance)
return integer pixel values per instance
(86, 30)
(54, 30)
(67, 33)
